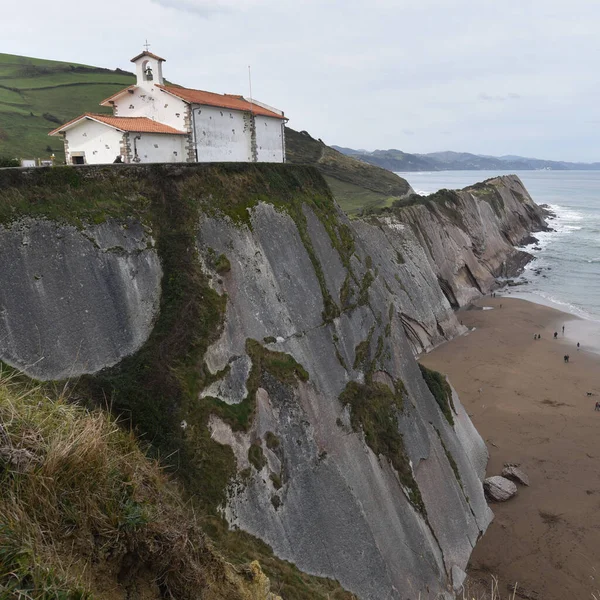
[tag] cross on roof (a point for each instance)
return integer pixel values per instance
(147, 45)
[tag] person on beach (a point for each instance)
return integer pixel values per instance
(563, 330)
(555, 334)
(577, 346)
(566, 358)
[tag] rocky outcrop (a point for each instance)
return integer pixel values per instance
(499, 489)
(267, 342)
(323, 488)
(469, 236)
(514, 473)
(75, 300)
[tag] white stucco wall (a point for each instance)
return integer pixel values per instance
(269, 139)
(221, 134)
(155, 147)
(153, 103)
(100, 143)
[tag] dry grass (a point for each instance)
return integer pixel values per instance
(480, 590)
(82, 510)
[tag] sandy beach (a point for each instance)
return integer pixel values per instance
(532, 408)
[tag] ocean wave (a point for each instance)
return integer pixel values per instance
(565, 213)
(547, 299)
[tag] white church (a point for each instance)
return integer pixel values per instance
(154, 122)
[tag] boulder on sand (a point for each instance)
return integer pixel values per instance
(515, 474)
(499, 488)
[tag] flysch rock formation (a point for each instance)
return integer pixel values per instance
(72, 300)
(469, 236)
(349, 302)
(341, 511)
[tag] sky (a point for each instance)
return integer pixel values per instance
(512, 77)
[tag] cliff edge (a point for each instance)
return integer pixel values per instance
(265, 344)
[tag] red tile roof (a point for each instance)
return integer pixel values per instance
(208, 99)
(146, 53)
(133, 124)
(219, 100)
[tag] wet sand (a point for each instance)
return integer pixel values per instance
(532, 408)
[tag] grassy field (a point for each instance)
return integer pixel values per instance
(37, 95)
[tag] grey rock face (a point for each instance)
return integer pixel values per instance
(499, 489)
(515, 474)
(74, 302)
(342, 511)
(471, 243)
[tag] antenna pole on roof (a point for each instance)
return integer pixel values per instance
(250, 84)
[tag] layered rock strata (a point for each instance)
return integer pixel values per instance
(302, 367)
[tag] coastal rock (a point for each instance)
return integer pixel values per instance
(349, 302)
(515, 474)
(469, 236)
(74, 301)
(499, 489)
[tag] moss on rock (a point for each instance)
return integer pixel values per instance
(441, 390)
(374, 410)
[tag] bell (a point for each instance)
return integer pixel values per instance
(148, 73)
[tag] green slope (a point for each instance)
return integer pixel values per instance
(355, 184)
(37, 95)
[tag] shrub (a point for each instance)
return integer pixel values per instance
(9, 162)
(441, 391)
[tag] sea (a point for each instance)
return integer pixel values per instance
(566, 271)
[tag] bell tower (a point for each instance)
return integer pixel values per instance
(148, 68)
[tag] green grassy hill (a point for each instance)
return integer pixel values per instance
(37, 95)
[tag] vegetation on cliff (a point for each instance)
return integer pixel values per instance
(441, 390)
(158, 388)
(355, 184)
(84, 513)
(374, 410)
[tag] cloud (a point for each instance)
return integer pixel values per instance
(196, 7)
(498, 98)
(209, 8)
